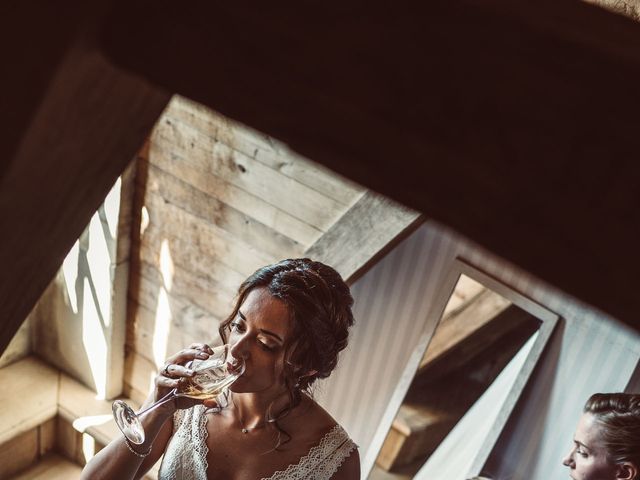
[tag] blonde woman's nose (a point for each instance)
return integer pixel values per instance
(568, 459)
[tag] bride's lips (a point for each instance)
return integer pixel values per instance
(234, 368)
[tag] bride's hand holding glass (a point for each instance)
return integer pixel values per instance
(175, 373)
(190, 377)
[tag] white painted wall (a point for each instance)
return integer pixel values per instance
(589, 352)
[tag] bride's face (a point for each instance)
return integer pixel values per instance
(258, 334)
(588, 459)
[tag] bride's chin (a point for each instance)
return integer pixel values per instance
(235, 388)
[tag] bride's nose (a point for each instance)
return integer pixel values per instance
(238, 349)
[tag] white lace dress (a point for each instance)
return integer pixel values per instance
(186, 455)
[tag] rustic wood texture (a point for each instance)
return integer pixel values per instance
(46, 436)
(48, 410)
(20, 345)
(32, 398)
(18, 453)
(513, 122)
(79, 121)
(219, 200)
(51, 467)
(368, 230)
(415, 430)
(460, 324)
(24, 449)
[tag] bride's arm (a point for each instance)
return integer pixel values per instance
(117, 461)
(122, 460)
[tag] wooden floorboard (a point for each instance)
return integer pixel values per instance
(51, 467)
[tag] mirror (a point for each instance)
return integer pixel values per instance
(462, 381)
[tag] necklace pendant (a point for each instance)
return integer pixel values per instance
(245, 430)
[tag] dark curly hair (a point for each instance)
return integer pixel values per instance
(618, 414)
(319, 302)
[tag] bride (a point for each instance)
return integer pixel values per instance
(289, 323)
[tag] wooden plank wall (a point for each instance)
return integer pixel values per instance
(20, 345)
(220, 200)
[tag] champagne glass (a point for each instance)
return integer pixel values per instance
(211, 378)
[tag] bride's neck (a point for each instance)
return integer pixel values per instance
(255, 407)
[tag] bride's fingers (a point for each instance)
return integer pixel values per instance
(172, 370)
(166, 382)
(201, 346)
(186, 355)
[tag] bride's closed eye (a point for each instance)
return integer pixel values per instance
(237, 326)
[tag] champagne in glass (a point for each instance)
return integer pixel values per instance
(207, 383)
(211, 378)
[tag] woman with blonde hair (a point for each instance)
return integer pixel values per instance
(606, 444)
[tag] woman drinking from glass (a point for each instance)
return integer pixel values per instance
(290, 321)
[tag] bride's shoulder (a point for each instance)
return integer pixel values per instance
(313, 415)
(343, 460)
(313, 422)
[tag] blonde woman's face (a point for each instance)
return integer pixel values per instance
(587, 459)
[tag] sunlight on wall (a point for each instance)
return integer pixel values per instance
(162, 326)
(144, 220)
(112, 207)
(163, 310)
(81, 327)
(82, 423)
(99, 259)
(70, 274)
(94, 341)
(166, 265)
(88, 442)
(88, 447)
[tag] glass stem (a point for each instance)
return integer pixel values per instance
(169, 396)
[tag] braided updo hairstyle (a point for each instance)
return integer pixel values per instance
(618, 415)
(319, 302)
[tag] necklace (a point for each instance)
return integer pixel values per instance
(249, 429)
(244, 428)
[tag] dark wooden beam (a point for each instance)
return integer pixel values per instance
(78, 124)
(513, 122)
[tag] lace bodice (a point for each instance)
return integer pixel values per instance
(186, 455)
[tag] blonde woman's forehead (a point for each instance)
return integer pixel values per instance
(589, 432)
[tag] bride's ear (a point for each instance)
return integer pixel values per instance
(627, 471)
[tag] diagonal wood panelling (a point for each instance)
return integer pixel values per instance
(221, 200)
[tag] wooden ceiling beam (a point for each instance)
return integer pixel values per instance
(80, 121)
(513, 122)
(363, 235)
